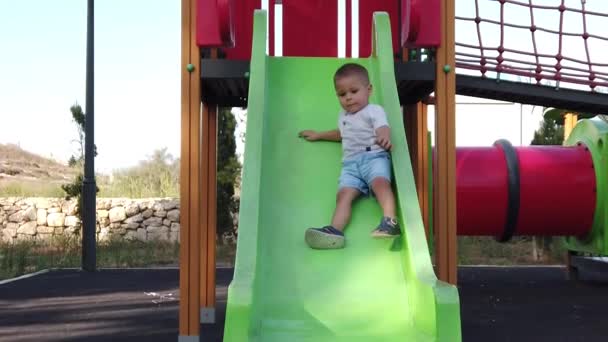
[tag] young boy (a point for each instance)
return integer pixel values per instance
(365, 135)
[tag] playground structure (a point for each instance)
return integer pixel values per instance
(500, 191)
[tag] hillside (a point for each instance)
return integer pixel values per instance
(23, 173)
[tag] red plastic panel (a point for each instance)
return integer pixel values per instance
(214, 23)
(310, 28)
(481, 191)
(349, 24)
(421, 25)
(243, 29)
(226, 16)
(366, 14)
(558, 191)
(271, 28)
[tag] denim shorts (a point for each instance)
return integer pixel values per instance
(359, 171)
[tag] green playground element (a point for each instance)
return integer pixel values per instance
(190, 67)
(594, 135)
(372, 290)
(558, 115)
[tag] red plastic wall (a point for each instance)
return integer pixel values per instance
(243, 29)
(310, 28)
(215, 23)
(226, 12)
(421, 27)
(366, 14)
(557, 191)
(481, 191)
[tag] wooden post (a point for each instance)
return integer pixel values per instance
(570, 120)
(191, 178)
(209, 221)
(445, 148)
(416, 131)
(198, 198)
(415, 120)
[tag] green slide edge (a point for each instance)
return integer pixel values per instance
(240, 291)
(426, 290)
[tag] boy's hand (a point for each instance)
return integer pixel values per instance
(383, 138)
(310, 135)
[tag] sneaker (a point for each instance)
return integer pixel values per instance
(387, 228)
(327, 237)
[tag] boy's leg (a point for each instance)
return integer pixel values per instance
(344, 201)
(388, 226)
(332, 237)
(350, 187)
(384, 193)
(378, 175)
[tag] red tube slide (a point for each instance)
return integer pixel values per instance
(537, 190)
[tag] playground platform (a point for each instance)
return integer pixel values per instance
(497, 303)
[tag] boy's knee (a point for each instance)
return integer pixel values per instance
(380, 181)
(345, 195)
(340, 196)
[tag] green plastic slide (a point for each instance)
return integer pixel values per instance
(372, 290)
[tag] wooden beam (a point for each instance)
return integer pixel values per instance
(415, 120)
(416, 130)
(190, 176)
(422, 163)
(445, 148)
(570, 120)
(207, 255)
(184, 279)
(195, 209)
(184, 252)
(203, 207)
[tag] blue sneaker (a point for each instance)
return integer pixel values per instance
(387, 228)
(327, 237)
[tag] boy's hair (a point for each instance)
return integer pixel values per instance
(352, 69)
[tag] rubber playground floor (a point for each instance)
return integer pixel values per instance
(497, 304)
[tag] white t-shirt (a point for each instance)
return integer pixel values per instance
(358, 130)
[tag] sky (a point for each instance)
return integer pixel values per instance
(137, 75)
(137, 78)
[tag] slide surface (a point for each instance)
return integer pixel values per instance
(372, 290)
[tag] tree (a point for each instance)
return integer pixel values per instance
(550, 132)
(74, 189)
(228, 171)
(157, 176)
(78, 117)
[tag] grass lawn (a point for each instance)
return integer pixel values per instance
(65, 252)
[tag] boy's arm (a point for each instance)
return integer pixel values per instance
(310, 135)
(381, 127)
(383, 137)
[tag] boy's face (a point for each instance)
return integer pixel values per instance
(353, 92)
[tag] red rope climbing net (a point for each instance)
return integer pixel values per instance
(566, 43)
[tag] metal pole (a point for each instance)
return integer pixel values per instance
(521, 124)
(88, 185)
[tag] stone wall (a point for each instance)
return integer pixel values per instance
(43, 218)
